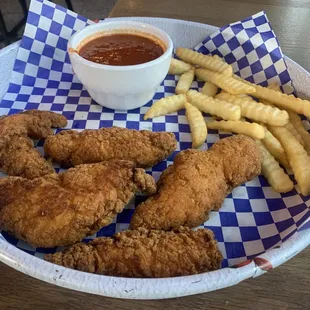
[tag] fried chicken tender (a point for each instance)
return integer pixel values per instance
(18, 157)
(33, 123)
(144, 254)
(145, 148)
(197, 183)
(61, 209)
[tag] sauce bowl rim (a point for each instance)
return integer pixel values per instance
(96, 27)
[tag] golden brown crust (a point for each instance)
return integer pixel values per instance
(18, 157)
(144, 147)
(58, 210)
(197, 183)
(144, 181)
(33, 123)
(143, 253)
(17, 154)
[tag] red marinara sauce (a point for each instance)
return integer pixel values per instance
(121, 49)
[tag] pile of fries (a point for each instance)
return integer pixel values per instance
(273, 121)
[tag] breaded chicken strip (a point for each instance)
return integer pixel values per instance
(144, 254)
(61, 209)
(33, 123)
(18, 157)
(145, 148)
(197, 183)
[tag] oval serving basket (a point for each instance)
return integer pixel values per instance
(186, 34)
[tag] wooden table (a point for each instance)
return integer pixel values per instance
(288, 286)
(289, 18)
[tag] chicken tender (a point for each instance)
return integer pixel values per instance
(145, 148)
(61, 209)
(144, 254)
(33, 123)
(18, 157)
(197, 183)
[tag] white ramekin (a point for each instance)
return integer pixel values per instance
(120, 87)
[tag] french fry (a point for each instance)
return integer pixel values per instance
(213, 106)
(185, 82)
(197, 125)
(166, 105)
(275, 148)
(205, 61)
(178, 66)
(274, 86)
(291, 128)
(277, 178)
(294, 125)
(279, 99)
(227, 83)
(257, 111)
(218, 57)
(297, 156)
(253, 130)
(294, 128)
(245, 96)
(303, 133)
(209, 89)
(266, 102)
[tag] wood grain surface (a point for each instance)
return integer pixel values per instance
(289, 18)
(288, 286)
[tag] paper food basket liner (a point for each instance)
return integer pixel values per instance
(253, 217)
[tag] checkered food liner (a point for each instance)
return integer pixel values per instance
(253, 217)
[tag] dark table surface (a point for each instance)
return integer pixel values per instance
(286, 287)
(289, 18)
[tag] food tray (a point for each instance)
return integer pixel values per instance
(257, 229)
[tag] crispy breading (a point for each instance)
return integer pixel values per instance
(197, 183)
(144, 254)
(144, 147)
(18, 157)
(61, 209)
(33, 123)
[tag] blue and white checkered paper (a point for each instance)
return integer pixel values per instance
(253, 50)
(253, 217)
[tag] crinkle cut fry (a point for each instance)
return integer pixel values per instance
(276, 176)
(297, 156)
(205, 61)
(281, 100)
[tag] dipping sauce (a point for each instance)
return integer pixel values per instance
(121, 49)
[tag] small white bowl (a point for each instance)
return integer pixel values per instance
(120, 87)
